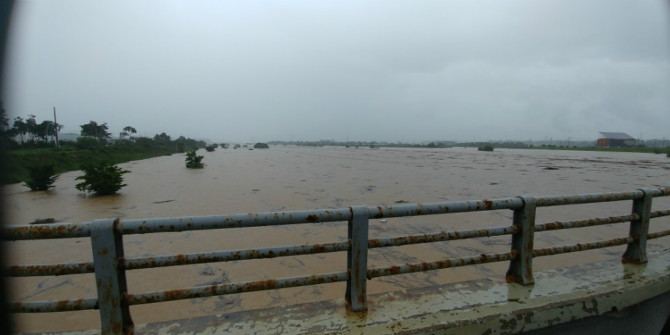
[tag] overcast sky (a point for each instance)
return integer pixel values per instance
(346, 70)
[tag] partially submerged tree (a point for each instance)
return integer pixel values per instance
(41, 177)
(101, 179)
(193, 161)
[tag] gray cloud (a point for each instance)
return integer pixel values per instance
(373, 70)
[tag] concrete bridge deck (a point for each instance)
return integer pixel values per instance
(606, 293)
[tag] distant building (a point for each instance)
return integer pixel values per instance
(615, 140)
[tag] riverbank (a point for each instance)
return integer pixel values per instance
(71, 155)
(69, 159)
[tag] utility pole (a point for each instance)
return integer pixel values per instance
(56, 126)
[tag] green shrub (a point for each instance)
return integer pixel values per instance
(193, 161)
(86, 142)
(101, 179)
(260, 145)
(41, 177)
(210, 147)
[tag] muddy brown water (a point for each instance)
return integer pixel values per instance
(297, 178)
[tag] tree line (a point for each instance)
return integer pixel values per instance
(32, 157)
(29, 132)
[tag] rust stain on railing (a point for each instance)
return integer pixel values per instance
(440, 264)
(441, 236)
(585, 223)
(235, 255)
(50, 269)
(582, 247)
(232, 288)
(54, 306)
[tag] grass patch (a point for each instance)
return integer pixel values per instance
(19, 161)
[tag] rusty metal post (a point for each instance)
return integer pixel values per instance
(636, 252)
(521, 268)
(107, 245)
(357, 260)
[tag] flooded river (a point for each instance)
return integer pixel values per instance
(296, 178)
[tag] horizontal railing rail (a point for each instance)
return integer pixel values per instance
(236, 255)
(110, 265)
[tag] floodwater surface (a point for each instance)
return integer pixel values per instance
(299, 178)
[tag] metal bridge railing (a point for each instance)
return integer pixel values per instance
(110, 265)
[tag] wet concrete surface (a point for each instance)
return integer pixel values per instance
(594, 298)
(293, 178)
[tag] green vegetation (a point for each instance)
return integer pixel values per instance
(101, 179)
(95, 130)
(662, 150)
(41, 177)
(183, 144)
(28, 149)
(128, 131)
(28, 130)
(485, 148)
(211, 147)
(260, 145)
(193, 161)
(71, 154)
